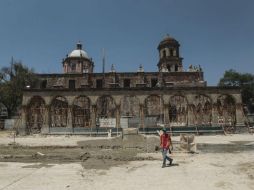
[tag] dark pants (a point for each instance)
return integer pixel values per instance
(164, 152)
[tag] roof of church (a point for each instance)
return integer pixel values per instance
(168, 39)
(78, 52)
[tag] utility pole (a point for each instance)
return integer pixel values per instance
(103, 60)
(103, 65)
(11, 72)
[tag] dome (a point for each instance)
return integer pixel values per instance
(168, 40)
(78, 52)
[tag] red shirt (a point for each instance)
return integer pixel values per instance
(165, 140)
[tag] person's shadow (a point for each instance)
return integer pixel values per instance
(172, 165)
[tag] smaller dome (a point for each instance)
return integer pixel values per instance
(168, 40)
(78, 52)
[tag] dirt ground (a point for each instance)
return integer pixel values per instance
(133, 162)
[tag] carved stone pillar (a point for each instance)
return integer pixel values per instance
(46, 123)
(69, 117)
(118, 116)
(214, 115)
(22, 129)
(189, 115)
(239, 115)
(93, 116)
(166, 115)
(142, 119)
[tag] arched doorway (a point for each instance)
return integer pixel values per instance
(201, 110)
(81, 116)
(226, 109)
(178, 110)
(35, 115)
(129, 110)
(59, 112)
(153, 111)
(106, 111)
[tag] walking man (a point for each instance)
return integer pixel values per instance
(165, 143)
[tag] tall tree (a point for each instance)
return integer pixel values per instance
(13, 80)
(243, 80)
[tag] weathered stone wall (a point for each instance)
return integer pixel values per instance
(115, 80)
(148, 107)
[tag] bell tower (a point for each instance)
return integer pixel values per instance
(170, 60)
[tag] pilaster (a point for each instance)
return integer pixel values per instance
(93, 116)
(239, 115)
(46, 123)
(142, 122)
(118, 116)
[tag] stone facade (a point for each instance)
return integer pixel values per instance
(80, 100)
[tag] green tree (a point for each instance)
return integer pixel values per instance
(243, 80)
(13, 80)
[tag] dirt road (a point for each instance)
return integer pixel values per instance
(222, 162)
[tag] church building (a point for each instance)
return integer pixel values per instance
(80, 101)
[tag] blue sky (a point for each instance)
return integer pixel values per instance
(216, 34)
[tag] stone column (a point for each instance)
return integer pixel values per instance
(69, 119)
(22, 128)
(189, 115)
(214, 115)
(118, 117)
(239, 115)
(93, 116)
(166, 115)
(46, 122)
(142, 121)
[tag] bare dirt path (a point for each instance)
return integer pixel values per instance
(78, 162)
(197, 171)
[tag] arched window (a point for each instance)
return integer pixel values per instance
(59, 112)
(73, 66)
(164, 54)
(171, 52)
(226, 109)
(174, 53)
(81, 112)
(36, 114)
(202, 110)
(130, 116)
(106, 107)
(106, 111)
(177, 110)
(176, 67)
(153, 110)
